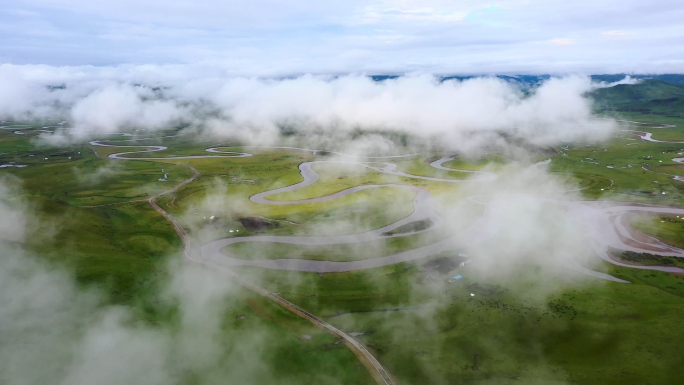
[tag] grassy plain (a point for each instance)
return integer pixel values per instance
(625, 169)
(123, 248)
(426, 329)
(339, 253)
(667, 228)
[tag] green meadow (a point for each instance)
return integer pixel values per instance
(428, 329)
(339, 253)
(89, 214)
(118, 245)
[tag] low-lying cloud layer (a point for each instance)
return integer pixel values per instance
(460, 115)
(53, 330)
(525, 231)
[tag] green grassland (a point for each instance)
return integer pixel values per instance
(489, 160)
(97, 181)
(656, 124)
(254, 324)
(231, 185)
(338, 253)
(584, 335)
(626, 169)
(425, 328)
(178, 145)
(123, 251)
(667, 228)
(421, 166)
(649, 96)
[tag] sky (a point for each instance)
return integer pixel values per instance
(271, 38)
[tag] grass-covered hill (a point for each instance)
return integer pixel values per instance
(649, 96)
(667, 78)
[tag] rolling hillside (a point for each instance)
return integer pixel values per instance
(649, 96)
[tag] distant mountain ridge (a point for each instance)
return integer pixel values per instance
(677, 79)
(532, 80)
(661, 94)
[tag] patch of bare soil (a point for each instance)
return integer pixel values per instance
(443, 265)
(258, 224)
(485, 290)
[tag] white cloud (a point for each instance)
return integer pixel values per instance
(562, 41)
(627, 80)
(107, 110)
(462, 114)
(617, 33)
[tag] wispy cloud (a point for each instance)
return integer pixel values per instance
(305, 36)
(562, 41)
(617, 33)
